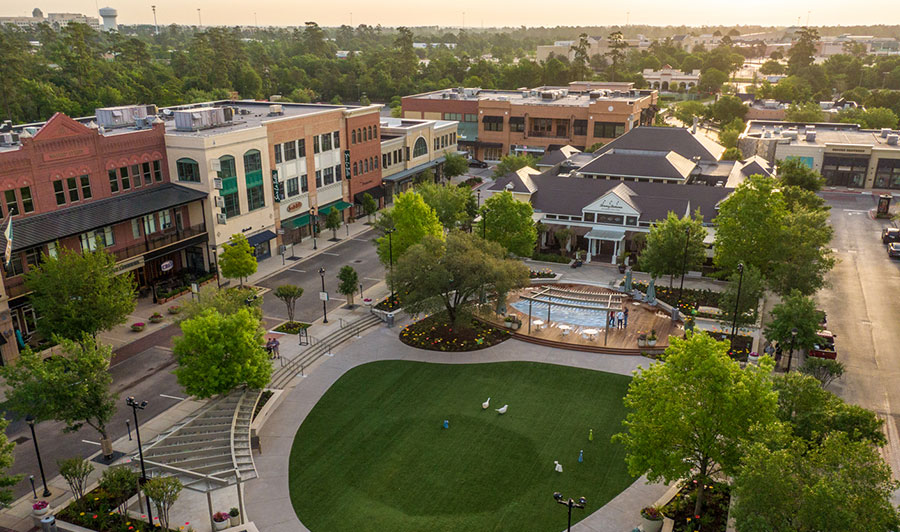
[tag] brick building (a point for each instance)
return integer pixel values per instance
(84, 185)
(496, 123)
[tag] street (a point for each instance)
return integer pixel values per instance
(143, 369)
(862, 307)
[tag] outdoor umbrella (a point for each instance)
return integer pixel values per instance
(628, 280)
(651, 292)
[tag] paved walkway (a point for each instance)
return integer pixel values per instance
(268, 498)
(604, 274)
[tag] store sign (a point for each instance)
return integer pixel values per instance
(167, 266)
(347, 164)
(295, 206)
(276, 187)
(128, 265)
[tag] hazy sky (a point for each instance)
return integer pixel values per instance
(478, 12)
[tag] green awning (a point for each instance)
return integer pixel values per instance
(339, 205)
(229, 186)
(299, 221)
(254, 179)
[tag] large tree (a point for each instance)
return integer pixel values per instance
(796, 311)
(511, 163)
(236, 260)
(76, 293)
(455, 165)
(508, 221)
(689, 415)
(794, 173)
(450, 203)
(349, 282)
(74, 388)
(839, 486)
(664, 253)
(6, 460)
(438, 275)
(805, 254)
(289, 294)
(804, 112)
(217, 353)
(747, 300)
(802, 53)
(411, 219)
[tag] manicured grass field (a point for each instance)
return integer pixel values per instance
(372, 456)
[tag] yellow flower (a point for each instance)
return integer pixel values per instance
(82, 513)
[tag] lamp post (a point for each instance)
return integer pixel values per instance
(737, 301)
(30, 420)
(315, 214)
(135, 406)
(569, 503)
(391, 259)
(215, 252)
(794, 332)
(324, 302)
(687, 240)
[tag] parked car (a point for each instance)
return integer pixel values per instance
(890, 234)
(475, 163)
(894, 250)
(824, 346)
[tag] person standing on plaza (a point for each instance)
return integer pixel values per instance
(625, 312)
(620, 319)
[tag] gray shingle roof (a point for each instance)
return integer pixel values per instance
(51, 226)
(676, 139)
(640, 163)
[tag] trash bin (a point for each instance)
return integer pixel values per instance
(48, 524)
(390, 319)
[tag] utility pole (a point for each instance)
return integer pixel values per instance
(154, 19)
(199, 20)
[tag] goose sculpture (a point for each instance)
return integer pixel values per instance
(502, 409)
(486, 404)
(558, 466)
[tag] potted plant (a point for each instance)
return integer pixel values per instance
(221, 520)
(156, 317)
(512, 322)
(138, 327)
(235, 516)
(753, 358)
(651, 338)
(174, 309)
(651, 519)
(620, 260)
(40, 508)
(642, 339)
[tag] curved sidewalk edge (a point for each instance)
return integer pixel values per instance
(267, 498)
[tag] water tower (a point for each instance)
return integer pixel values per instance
(109, 19)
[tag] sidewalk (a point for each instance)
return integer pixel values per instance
(601, 273)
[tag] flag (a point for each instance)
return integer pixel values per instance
(8, 235)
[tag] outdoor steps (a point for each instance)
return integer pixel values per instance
(636, 351)
(282, 376)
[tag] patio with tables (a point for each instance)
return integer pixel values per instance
(577, 316)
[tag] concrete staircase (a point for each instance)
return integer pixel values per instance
(320, 347)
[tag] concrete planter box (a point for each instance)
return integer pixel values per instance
(539, 280)
(266, 410)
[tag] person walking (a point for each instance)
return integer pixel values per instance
(620, 319)
(626, 318)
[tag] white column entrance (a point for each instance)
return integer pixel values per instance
(615, 251)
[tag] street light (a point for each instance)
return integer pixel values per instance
(315, 214)
(30, 420)
(687, 240)
(737, 301)
(794, 332)
(215, 252)
(570, 503)
(135, 406)
(391, 258)
(324, 302)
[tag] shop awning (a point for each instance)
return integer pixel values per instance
(339, 205)
(377, 192)
(606, 234)
(299, 221)
(259, 238)
(482, 144)
(406, 174)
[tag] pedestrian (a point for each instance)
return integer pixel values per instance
(626, 317)
(620, 319)
(275, 345)
(612, 321)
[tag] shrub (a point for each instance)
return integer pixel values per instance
(652, 513)
(76, 471)
(550, 257)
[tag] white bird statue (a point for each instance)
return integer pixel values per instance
(503, 409)
(558, 467)
(486, 404)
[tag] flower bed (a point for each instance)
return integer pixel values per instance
(387, 304)
(692, 298)
(97, 511)
(291, 327)
(546, 273)
(714, 518)
(436, 333)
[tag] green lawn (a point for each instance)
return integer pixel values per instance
(372, 456)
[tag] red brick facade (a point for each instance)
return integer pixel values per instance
(364, 143)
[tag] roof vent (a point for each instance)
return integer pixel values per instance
(892, 139)
(885, 131)
(810, 135)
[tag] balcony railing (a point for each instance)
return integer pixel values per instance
(158, 240)
(547, 134)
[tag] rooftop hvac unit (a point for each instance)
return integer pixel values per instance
(595, 95)
(810, 135)
(885, 131)
(229, 113)
(220, 201)
(123, 116)
(199, 118)
(789, 134)
(892, 139)
(9, 139)
(217, 182)
(142, 123)
(221, 219)
(216, 165)
(275, 109)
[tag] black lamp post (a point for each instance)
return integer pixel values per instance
(324, 302)
(737, 301)
(569, 503)
(135, 406)
(30, 420)
(391, 259)
(315, 215)
(794, 332)
(215, 252)
(687, 240)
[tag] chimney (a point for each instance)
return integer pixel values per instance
(694, 127)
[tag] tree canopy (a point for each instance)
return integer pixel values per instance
(511, 163)
(217, 353)
(796, 311)
(349, 282)
(412, 219)
(438, 275)
(236, 260)
(509, 223)
(664, 252)
(289, 294)
(794, 173)
(455, 165)
(79, 292)
(451, 204)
